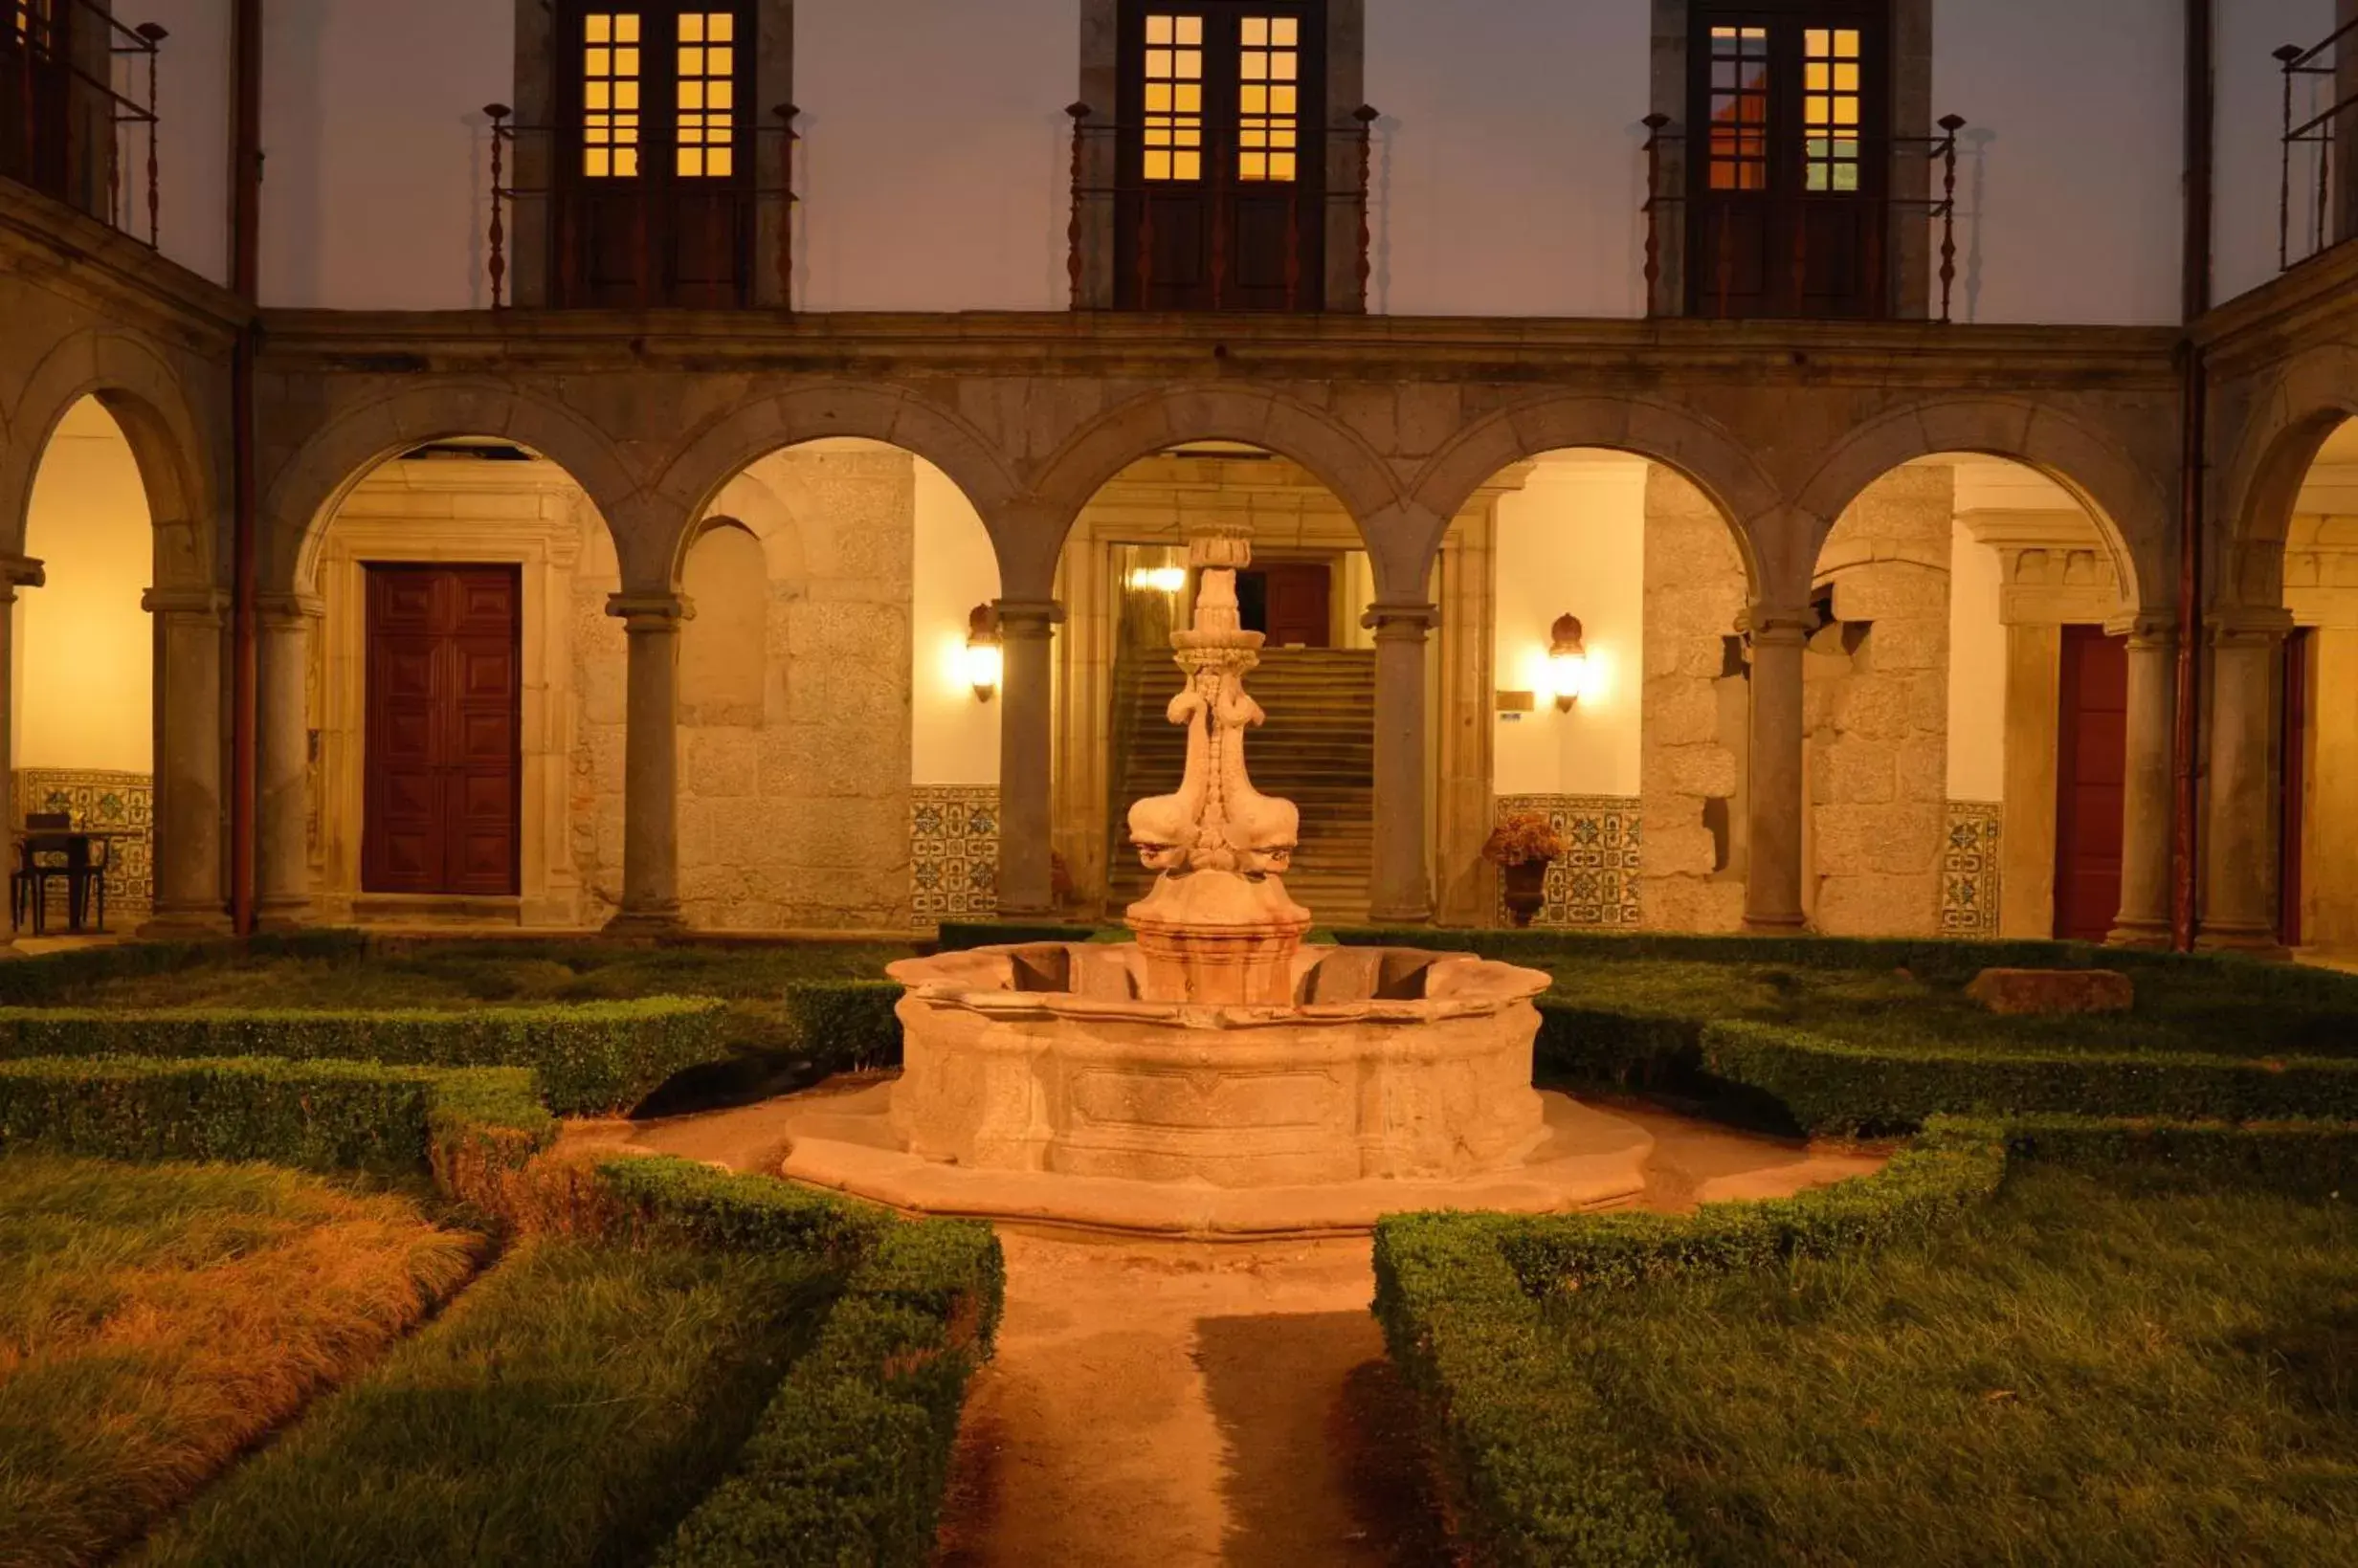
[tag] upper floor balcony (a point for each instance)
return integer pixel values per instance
(79, 119)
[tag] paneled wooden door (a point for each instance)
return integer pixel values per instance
(2091, 771)
(441, 803)
(1299, 603)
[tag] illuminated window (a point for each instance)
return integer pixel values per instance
(609, 95)
(1174, 116)
(707, 94)
(1739, 108)
(1829, 108)
(1269, 102)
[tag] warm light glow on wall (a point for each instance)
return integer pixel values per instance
(1171, 579)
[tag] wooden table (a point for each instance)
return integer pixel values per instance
(75, 844)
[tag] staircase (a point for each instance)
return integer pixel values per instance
(1318, 750)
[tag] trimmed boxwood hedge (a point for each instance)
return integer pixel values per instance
(317, 1115)
(852, 1456)
(592, 1059)
(1531, 1458)
(847, 1025)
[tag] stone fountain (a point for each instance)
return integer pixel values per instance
(1217, 1075)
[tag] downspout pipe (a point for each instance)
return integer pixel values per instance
(2201, 158)
(245, 226)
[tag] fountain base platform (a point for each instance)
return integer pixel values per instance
(1587, 1158)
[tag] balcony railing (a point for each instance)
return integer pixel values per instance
(1116, 213)
(749, 204)
(2317, 194)
(1939, 211)
(77, 110)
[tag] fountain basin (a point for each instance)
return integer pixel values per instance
(1390, 1063)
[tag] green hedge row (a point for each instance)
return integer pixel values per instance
(852, 1454)
(701, 1205)
(1529, 1455)
(590, 1059)
(41, 981)
(317, 1115)
(847, 1025)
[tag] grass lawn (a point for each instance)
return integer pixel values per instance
(2086, 1372)
(571, 1408)
(156, 1319)
(2197, 1008)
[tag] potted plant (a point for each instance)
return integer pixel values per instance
(1521, 847)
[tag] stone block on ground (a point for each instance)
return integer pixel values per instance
(2015, 992)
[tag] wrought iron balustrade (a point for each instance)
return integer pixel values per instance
(2319, 209)
(1115, 207)
(1939, 210)
(745, 203)
(76, 86)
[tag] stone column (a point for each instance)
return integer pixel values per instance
(15, 572)
(282, 809)
(651, 765)
(2239, 862)
(189, 899)
(1400, 888)
(1027, 726)
(2146, 795)
(1772, 889)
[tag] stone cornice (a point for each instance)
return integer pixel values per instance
(2314, 302)
(51, 246)
(1268, 347)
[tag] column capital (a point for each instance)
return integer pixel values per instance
(1409, 623)
(1028, 618)
(650, 613)
(188, 604)
(2238, 624)
(2149, 633)
(18, 571)
(1785, 625)
(289, 612)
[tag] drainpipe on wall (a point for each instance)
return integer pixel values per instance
(245, 221)
(2200, 158)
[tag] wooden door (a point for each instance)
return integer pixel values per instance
(2092, 767)
(1299, 600)
(1222, 168)
(1788, 162)
(656, 163)
(38, 44)
(443, 761)
(2293, 771)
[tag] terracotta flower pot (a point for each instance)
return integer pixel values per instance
(1526, 889)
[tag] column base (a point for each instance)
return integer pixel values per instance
(2247, 942)
(1398, 916)
(1777, 925)
(2142, 936)
(647, 922)
(1044, 915)
(284, 914)
(185, 925)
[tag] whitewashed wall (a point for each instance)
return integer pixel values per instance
(1976, 671)
(954, 739)
(1507, 173)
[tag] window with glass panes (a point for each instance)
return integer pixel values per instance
(1789, 107)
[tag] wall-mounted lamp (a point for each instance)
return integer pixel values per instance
(1568, 662)
(986, 665)
(1170, 580)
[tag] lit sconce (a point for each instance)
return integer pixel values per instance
(984, 664)
(1170, 580)
(1568, 662)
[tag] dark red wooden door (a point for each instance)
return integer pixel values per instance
(1301, 605)
(443, 757)
(2092, 765)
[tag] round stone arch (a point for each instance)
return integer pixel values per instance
(1094, 454)
(693, 478)
(147, 402)
(2132, 512)
(2261, 488)
(1700, 451)
(303, 498)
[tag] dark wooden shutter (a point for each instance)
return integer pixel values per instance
(2092, 767)
(443, 761)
